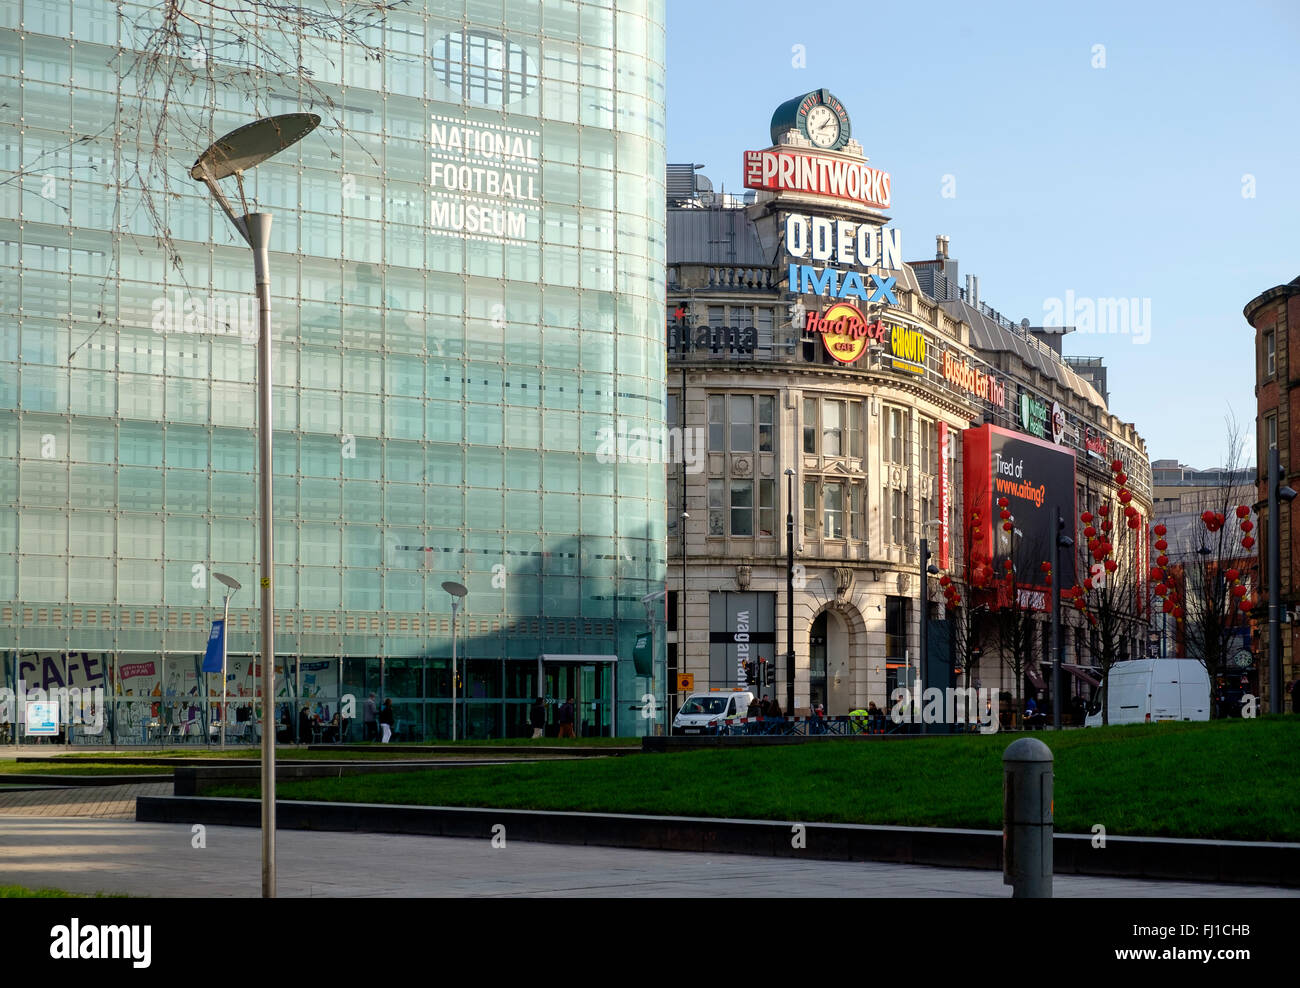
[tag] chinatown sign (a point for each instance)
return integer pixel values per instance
(960, 373)
(830, 175)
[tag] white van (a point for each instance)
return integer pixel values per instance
(703, 712)
(1143, 691)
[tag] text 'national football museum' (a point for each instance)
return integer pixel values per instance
(871, 436)
(466, 287)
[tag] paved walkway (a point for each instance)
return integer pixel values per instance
(160, 860)
(105, 802)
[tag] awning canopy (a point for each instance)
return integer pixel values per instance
(1080, 672)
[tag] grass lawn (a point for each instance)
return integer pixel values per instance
(21, 892)
(50, 767)
(360, 752)
(1230, 779)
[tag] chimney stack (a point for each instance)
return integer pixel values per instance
(941, 248)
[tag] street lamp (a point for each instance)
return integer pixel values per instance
(1277, 492)
(789, 591)
(240, 150)
(1062, 541)
(458, 592)
(928, 569)
(681, 627)
(232, 585)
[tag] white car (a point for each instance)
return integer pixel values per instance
(703, 712)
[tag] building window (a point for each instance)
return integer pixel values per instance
(766, 507)
(742, 507)
(1270, 353)
(899, 448)
(857, 513)
(717, 524)
(895, 627)
(766, 422)
(484, 67)
(832, 427)
(1270, 435)
(833, 511)
(898, 522)
(742, 423)
(717, 411)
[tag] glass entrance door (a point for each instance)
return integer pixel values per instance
(590, 685)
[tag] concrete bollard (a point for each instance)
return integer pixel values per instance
(1027, 807)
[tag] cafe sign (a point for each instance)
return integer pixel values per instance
(845, 331)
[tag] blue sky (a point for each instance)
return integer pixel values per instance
(1120, 181)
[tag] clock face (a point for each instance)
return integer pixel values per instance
(823, 126)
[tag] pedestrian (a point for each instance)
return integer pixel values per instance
(774, 709)
(304, 725)
(537, 717)
(369, 720)
(386, 721)
(566, 719)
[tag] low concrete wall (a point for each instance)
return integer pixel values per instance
(200, 779)
(1129, 857)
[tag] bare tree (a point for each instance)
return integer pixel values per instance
(1017, 601)
(1206, 572)
(189, 71)
(1111, 595)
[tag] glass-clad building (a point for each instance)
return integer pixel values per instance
(467, 275)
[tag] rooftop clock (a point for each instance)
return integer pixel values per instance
(818, 116)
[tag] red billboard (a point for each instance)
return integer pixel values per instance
(1037, 479)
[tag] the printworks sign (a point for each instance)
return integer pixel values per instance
(485, 181)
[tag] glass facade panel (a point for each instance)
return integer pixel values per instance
(467, 266)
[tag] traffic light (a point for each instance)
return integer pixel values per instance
(762, 671)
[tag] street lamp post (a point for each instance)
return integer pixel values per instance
(1277, 493)
(928, 569)
(1062, 541)
(232, 586)
(789, 592)
(681, 627)
(458, 592)
(240, 150)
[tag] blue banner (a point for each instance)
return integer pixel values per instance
(212, 657)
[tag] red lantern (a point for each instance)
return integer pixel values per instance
(1089, 532)
(1105, 525)
(1168, 607)
(1116, 466)
(1162, 560)
(1003, 502)
(1243, 511)
(1233, 574)
(1086, 517)
(1046, 567)
(1161, 588)
(1156, 572)
(1104, 510)
(1160, 530)
(1246, 605)
(1004, 514)
(1248, 542)
(1135, 523)
(1121, 478)
(945, 580)
(1006, 565)
(1125, 497)
(1007, 526)
(1111, 566)
(1162, 545)
(1247, 526)
(1239, 591)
